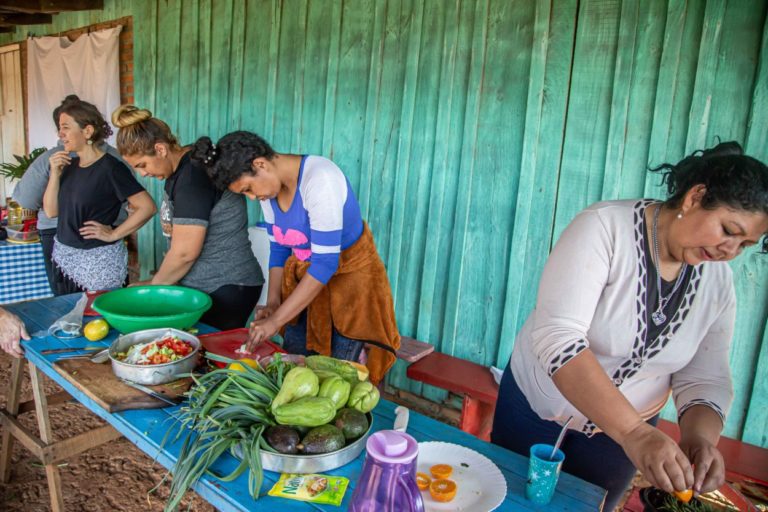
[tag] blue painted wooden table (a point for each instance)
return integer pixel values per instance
(147, 428)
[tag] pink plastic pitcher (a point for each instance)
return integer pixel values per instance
(388, 480)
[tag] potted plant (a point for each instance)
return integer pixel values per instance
(14, 171)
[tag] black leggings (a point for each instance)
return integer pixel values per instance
(46, 240)
(232, 305)
(62, 285)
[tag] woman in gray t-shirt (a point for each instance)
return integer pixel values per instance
(209, 247)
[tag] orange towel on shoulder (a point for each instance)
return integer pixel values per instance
(357, 301)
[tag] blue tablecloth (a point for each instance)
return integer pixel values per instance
(147, 428)
(22, 273)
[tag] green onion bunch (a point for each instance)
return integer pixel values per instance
(226, 408)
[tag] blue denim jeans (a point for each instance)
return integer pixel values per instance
(295, 342)
(597, 459)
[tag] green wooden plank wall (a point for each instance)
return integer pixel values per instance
(472, 131)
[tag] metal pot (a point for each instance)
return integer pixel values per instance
(285, 463)
(152, 374)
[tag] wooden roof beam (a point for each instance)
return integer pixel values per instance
(25, 19)
(50, 6)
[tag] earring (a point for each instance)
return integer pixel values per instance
(680, 215)
(89, 142)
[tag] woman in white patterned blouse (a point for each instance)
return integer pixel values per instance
(636, 302)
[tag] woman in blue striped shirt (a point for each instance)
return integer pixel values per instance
(324, 270)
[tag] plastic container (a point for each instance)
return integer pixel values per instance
(16, 233)
(17, 215)
(152, 307)
(388, 480)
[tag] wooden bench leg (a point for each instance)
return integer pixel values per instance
(41, 409)
(477, 418)
(12, 406)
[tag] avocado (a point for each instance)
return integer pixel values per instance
(301, 429)
(322, 439)
(282, 438)
(351, 422)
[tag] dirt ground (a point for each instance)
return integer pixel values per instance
(113, 476)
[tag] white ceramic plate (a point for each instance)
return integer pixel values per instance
(480, 485)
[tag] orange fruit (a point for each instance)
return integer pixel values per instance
(238, 366)
(441, 470)
(96, 330)
(423, 481)
(684, 496)
(442, 490)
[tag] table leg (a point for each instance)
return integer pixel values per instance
(41, 409)
(477, 418)
(12, 406)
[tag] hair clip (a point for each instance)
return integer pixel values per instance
(211, 154)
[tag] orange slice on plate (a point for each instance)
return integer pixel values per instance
(442, 490)
(423, 481)
(441, 470)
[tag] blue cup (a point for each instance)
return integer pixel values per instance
(543, 473)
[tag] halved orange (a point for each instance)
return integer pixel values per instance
(441, 470)
(442, 490)
(684, 496)
(423, 481)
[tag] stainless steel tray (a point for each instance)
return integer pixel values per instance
(284, 463)
(152, 374)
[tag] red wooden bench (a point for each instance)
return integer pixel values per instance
(462, 377)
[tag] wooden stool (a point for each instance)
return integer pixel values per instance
(48, 452)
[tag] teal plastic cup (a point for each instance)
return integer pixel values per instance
(543, 473)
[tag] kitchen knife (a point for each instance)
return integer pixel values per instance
(151, 392)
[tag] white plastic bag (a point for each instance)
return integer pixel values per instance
(69, 325)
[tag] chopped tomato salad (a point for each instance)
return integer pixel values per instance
(165, 350)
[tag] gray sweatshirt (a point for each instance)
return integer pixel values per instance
(30, 189)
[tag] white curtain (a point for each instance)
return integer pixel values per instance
(56, 67)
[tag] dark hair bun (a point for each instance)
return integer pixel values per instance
(204, 151)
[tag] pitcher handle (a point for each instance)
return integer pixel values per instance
(408, 485)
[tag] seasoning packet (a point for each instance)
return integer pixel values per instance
(320, 489)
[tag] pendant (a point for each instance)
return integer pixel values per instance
(658, 317)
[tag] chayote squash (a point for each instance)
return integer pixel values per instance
(299, 382)
(337, 389)
(325, 363)
(363, 397)
(310, 411)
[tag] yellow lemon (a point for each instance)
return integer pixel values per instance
(96, 329)
(238, 366)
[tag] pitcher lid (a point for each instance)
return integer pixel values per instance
(392, 446)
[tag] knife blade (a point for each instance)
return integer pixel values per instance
(151, 392)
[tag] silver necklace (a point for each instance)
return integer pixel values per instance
(658, 316)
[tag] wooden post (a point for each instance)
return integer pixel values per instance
(12, 406)
(41, 409)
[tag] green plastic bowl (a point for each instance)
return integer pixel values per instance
(151, 307)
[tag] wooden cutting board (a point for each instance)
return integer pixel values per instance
(99, 383)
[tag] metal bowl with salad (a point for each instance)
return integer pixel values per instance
(154, 356)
